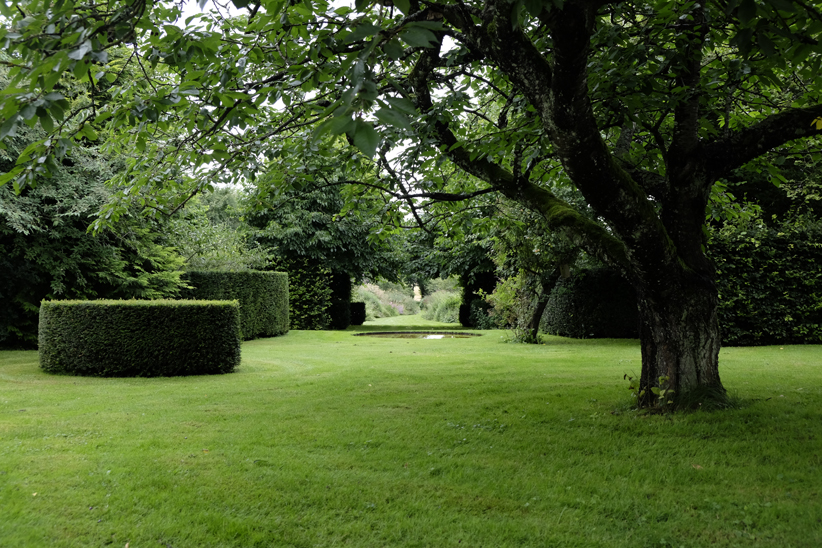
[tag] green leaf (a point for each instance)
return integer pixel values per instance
(366, 138)
(534, 7)
(88, 132)
(401, 104)
(80, 52)
(746, 11)
(9, 127)
(403, 5)
(46, 121)
(418, 37)
(111, 77)
(393, 118)
(783, 5)
(362, 31)
(766, 44)
(394, 50)
(361, 5)
(28, 112)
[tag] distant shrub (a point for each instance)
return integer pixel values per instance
(358, 313)
(441, 306)
(595, 303)
(442, 284)
(139, 338)
(263, 297)
(384, 303)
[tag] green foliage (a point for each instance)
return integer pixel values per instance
(263, 298)
(46, 251)
(513, 303)
(313, 224)
(139, 338)
(309, 293)
(374, 305)
(441, 306)
(386, 299)
(593, 303)
(664, 396)
(770, 283)
(209, 235)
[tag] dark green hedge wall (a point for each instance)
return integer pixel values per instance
(139, 338)
(770, 283)
(340, 307)
(309, 294)
(594, 303)
(263, 297)
(358, 313)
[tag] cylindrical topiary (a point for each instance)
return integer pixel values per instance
(357, 313)
(340, 307)
(139, 338)
(595, 303)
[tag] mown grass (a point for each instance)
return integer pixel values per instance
(325, 439)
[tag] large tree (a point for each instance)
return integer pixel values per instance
(641, 105)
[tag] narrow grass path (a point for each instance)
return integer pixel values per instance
(327, 439)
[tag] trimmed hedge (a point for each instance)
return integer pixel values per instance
(340, 307)
(139, 338)
(357, 313)
(263, 297)
(596, 303)
(309, 294)
(770, 283)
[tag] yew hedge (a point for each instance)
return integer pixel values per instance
(263, 298)
(139, 338)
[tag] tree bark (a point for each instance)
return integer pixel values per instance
(533, 325)
(680, 339)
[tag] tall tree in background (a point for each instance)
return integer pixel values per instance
(640, 105)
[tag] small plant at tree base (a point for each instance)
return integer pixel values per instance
(663, 399)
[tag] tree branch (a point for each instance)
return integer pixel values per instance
(742, 146)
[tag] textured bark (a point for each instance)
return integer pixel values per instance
(533, 325)
(679, 335)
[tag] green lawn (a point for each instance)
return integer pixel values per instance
(326, 439)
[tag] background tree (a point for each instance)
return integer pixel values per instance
(46, 251)
(643, 106)
(212, 234)
(321, 233)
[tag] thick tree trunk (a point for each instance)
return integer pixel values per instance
(680, 340)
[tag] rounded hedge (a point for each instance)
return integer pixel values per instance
(263, 297)
(139, 338)
(596, 303)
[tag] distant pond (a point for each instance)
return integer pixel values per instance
(419, 335)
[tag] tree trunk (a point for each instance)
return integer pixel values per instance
(533, 325)
(679, 336)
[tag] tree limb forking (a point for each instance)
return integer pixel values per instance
(742, 146)
(557, 213)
